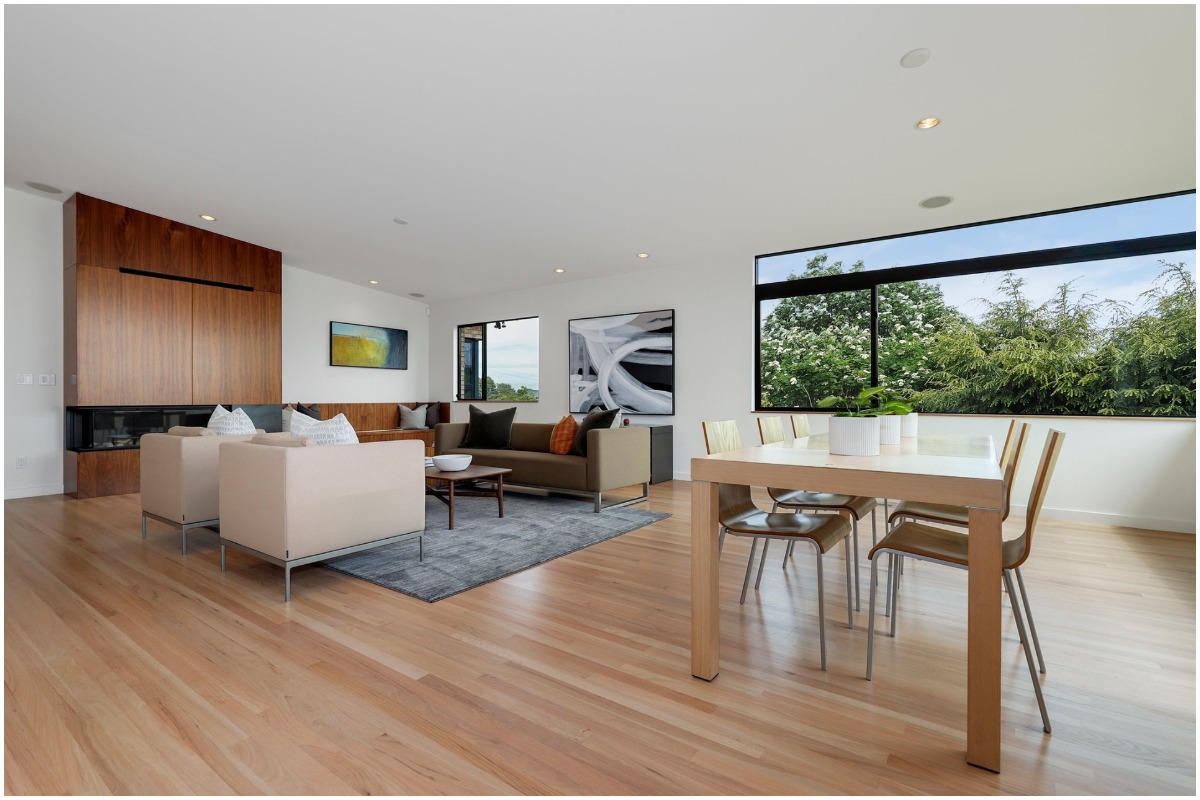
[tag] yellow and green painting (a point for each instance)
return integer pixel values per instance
(367, 346)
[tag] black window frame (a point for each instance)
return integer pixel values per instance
(873, 279)
(483, 361)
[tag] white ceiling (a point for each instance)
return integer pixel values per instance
(517, 139)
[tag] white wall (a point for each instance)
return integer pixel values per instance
(310, 303)
(1139, 473)
(33, 336)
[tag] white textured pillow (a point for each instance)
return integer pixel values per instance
(329, 431)
(617, 419)
(224, 422)
(287, 418)
(413, 419)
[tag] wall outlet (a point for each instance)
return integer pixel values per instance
(24, 378)
(47, 379)
(22, 462)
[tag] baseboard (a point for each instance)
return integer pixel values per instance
(1114, 520)
(32, 491)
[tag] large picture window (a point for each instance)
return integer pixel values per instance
(498, 360)
(972, 320)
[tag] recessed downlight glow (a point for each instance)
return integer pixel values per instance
(373, 283)
(643, 255)
(935, 202)
(914, 58)
(927, 123)
(399, 221)
(208, 218)
(415, 294)
(43, 187)
(559, 270)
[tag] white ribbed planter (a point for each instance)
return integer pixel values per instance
(854, 436)
(908, 425)
(889, 429)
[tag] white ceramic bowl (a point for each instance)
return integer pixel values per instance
(452, 463)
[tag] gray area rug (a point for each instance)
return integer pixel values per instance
(483, 548)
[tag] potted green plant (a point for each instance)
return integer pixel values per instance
(893, 411)
(854, 429)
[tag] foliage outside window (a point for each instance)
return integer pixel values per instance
(1102, 328)
(498, 360)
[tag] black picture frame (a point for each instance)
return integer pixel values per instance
(624, 361)
(371, 346)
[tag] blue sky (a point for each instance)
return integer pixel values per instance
(1119, 279)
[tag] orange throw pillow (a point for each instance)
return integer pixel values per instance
(562, 438)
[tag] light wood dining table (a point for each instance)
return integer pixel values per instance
(959, 470)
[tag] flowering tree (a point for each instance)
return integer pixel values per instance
(820, 345)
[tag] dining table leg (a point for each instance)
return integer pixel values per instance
(983, 638)
(706, 621)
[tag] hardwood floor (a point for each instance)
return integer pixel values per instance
(130, 669)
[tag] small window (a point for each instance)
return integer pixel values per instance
(498, 361)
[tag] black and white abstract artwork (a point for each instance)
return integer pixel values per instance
(624, 361)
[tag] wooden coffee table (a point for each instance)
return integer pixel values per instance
(471, 473)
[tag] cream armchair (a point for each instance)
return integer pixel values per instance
(293, 505)
(179, 478)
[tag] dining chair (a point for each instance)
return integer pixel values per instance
(738, 515)
(949, 547)
(943, 514)
(799, 425)
(770, 430)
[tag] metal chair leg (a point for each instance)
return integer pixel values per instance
(821, 604)
(143, 524)
(871, 614)
(749, 566)
(857, 593)
(762, 561)
(898, 561)
(1029, 617)
(850, 606)
(721, 541)
(1037, 686)
(873, 529)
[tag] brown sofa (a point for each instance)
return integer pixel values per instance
(617, 457)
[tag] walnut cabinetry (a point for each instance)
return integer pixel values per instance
(158, 313)
(236, 345)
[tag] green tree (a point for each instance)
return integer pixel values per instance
(505, 391)
(820, 345)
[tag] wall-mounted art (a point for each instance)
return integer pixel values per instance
(624, 361)
(367, 346)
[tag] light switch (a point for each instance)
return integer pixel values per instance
(24, 378)
(47, 379)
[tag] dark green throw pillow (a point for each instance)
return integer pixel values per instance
(313, 411)
(596, 418)
(490, 431)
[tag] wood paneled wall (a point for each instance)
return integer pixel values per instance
(157, 313)
(166, 335)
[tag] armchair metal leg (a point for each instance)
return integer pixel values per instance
(222, 557)
(143, 524)
(1033, 675)
(287, 583)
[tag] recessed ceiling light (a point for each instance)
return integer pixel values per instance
(399, 221)
(415, 294)
(643, 255)
(208, 218)
(927, 123)
(43, 187)
(373, 283)
(935, 202)
(559, 269)
(914, 58)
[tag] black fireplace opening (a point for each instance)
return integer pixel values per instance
(122, 427)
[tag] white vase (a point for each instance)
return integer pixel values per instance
(889, 429)
(908, 425)
(854, 436)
